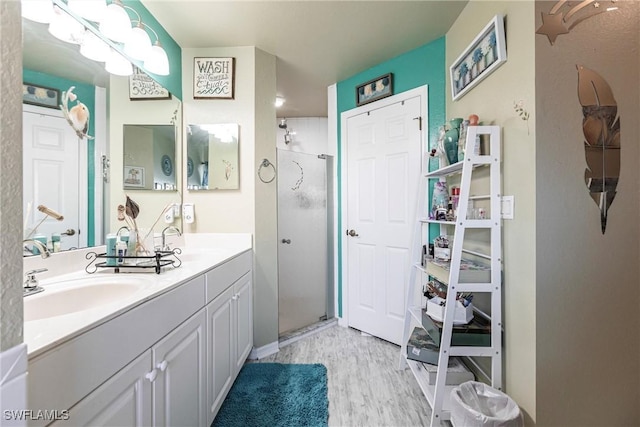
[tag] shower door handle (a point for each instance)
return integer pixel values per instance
(286, 241)
(352, 233)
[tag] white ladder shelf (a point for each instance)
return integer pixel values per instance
(438, 394)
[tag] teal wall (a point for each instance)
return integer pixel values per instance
(422, 66)
(172, 82)
(86, 94)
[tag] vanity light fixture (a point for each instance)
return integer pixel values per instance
(116, 24)
(157, 61)
(118, 64)
(91, 10)
(94, 48)
(65, 28)
(37, 10)
(138, 46)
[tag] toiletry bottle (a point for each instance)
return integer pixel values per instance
(121, 251)
(111, 249)
(55, 238)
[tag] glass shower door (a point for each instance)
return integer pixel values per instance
(302, 240)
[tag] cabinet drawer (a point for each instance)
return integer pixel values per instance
(223, 275)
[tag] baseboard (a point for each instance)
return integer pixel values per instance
(264, 351)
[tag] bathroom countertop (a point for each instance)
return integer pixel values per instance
(200, 253)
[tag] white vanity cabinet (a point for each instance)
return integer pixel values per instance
(229, 329)
(180, 375)
(158, 363)
(124, 400)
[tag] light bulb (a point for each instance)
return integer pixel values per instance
(157, 62)
(92, 10)
(138, 46)
(94, 48)
(66, 28)
(116, 24)
(118, 64)
(279, 101)
(38, 10)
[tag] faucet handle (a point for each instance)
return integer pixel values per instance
(34, 272)
(31, 282)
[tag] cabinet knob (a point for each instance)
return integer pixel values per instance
(151, 376)
(162, 365)
(235, 297)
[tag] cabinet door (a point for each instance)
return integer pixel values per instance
(124, 400)
(179, 388)
(243, 294)
(220, 351)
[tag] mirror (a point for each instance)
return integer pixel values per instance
(149, 157)
(212, 157)
(93, 186)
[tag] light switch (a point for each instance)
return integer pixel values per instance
(507, 207)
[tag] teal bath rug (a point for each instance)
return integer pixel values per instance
(275, 394)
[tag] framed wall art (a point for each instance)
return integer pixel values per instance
(41, 96)
(375, 89)
(143, 87)
(134, 176)
(213, 78)
(486, 52)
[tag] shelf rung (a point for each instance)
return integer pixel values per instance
(476, 287)
(480, 197)
(474, 253)
(471, 351)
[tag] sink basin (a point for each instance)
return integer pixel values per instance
(77, 295)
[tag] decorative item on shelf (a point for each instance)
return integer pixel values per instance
(78, 116)
(438, 150)
(442, 251)
(485, 53)
(439, 200)
(375, 89)
(601, 129)
(451, 137)
(213, 78)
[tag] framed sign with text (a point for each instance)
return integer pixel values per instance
(213, 78)
(141, 87)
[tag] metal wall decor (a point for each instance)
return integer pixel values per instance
(601, 128)
(561, 20)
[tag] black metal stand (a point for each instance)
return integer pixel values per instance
(158, 260)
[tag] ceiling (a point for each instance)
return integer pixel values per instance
(316, 43)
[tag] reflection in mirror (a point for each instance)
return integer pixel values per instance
(149, 157)
(212, 157)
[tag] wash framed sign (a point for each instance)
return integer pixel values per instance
(213, 78)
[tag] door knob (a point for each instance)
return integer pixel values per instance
(352, 233)
(69, 232)
(286, 241)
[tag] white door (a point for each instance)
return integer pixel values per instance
(50, 175)
(384, 149)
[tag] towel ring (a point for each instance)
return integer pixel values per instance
(266, 163)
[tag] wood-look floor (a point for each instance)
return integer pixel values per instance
(365, 386)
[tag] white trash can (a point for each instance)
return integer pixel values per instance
(475, 404)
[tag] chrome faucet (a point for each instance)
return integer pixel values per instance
(44, 252)
(170, 228)
(31, 283)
